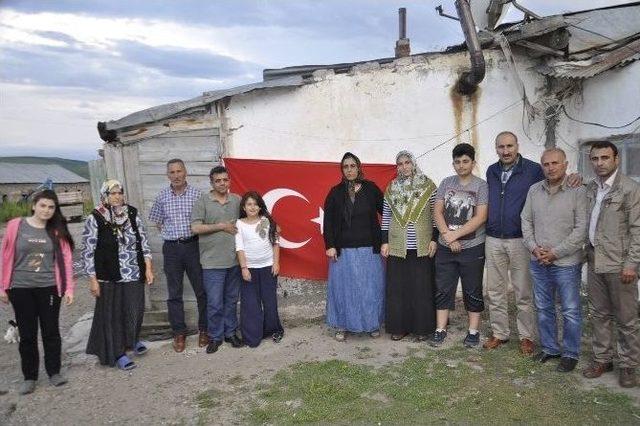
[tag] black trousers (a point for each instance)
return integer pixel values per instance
(33, 305)
(468, 267)
(178, 259)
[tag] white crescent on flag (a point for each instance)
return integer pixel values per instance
(271, 198)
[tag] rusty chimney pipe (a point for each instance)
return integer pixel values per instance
(403, 47)
(402, 22)
(469, 80)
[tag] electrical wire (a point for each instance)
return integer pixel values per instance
(604, 36)
(321, 137)
(591, 123)
(469, 128)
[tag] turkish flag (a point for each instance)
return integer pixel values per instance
(294, 192)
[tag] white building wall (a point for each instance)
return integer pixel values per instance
(375, 111)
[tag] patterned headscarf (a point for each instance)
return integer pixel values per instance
(117, 216)
(408, 195)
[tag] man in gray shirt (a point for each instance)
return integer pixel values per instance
(213, 218)
(554, 226)
(460, 212)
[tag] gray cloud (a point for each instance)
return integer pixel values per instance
(331, 19)
(312, 31)
(184, 62)
(57, 36)
(138, 69)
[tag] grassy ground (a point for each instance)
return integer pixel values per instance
(437, 386)
(10, 210)
(421, 385)
(87, 207)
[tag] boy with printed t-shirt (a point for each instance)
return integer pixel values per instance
(460, 213)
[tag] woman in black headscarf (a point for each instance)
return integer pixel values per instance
(355, 289)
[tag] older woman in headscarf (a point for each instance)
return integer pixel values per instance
(409, 241)
(355, 289)
(117, 260)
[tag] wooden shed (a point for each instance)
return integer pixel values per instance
(137, 148)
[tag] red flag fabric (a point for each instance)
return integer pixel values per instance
(294, 192)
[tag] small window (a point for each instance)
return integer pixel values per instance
(628, 150)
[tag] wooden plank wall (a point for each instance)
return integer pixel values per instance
(200, 151)
(97, 175)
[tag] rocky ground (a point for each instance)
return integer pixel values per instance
(192, 387)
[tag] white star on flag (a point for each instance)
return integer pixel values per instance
(320, 219)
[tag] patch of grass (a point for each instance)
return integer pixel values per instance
(87, 207)
(209, 399)
(235, 380)
(450, 385)
(364, 352)
(9, 210)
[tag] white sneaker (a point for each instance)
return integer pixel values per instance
(27, 387)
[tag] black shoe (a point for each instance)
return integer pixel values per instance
(213, 346)
(235, 341)
(566, 364)
(277, 337)
(471, 340)
(543, 357)
(437, 339)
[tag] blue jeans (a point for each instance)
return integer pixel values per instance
(565, 280)
(222, 287)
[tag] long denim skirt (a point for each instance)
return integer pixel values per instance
(355, 290)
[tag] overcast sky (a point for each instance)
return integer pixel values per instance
(65, 65)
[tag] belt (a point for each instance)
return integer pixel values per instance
(183, 240)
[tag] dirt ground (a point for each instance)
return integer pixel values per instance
(192, 387)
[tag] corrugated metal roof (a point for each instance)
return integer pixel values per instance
(162, 112)
(37, 173)
(602, 28)
(593, 66)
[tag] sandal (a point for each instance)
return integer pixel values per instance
(277, 337)
(124, 363)
(340, 336)
(140, 348)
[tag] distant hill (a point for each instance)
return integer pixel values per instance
(76, 166)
